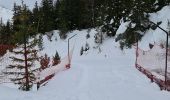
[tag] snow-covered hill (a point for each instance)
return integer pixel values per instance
(95, 75)
(157, 35)
(104, 73)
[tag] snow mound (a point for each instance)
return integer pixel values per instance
(157, 35)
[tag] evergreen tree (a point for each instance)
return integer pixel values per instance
(25, 25)
(5, 32)
(81, 51)
(56, 59)
(1, 23)
(1, 30)
(36, 17)
(68, 10)
(68, 15)
(161, 3)
(98, 12)
(56, 13)
(63, 21)
(86, 14)
(47, 14)
(16, 14)
(87, 47)
(40, 42)
(138, 17)
(24, 56)
(22, 70)
(74, 14)
(87, 36)
(114, 14)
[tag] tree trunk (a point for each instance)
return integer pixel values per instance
(26, 64)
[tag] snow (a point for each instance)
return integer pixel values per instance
(157, 57)
(106, 75)
(122, 28)
(94, 76)
(157, 35)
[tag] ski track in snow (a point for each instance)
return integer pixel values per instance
(104, 81)
(96, 77)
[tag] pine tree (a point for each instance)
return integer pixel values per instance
(47, 14)
(56, 13)
(81, 51)
(87, 36)
(23, 70)
(138, 17)
(99, 11)
(86, 14)
(40, 42)
(114, 14)
(1, 23)
(63, 20)
(56, 59)
(36, 16)
(5, 32)
(73, 14)
(160, 4)
(16, 14)
(24, 25)
(1, 30)
(87, 47)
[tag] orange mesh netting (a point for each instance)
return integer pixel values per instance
(152, 63)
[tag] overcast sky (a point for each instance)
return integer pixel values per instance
(9, 3)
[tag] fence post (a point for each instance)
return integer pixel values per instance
(69, 60)
(166, 58)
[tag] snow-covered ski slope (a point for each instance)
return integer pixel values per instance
(106, 75)
(109, 75)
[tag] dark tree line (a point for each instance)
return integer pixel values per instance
(68, 15)
(111, 13)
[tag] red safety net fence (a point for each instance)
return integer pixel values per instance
(48, 73)
(152, 64)
(42, 75)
